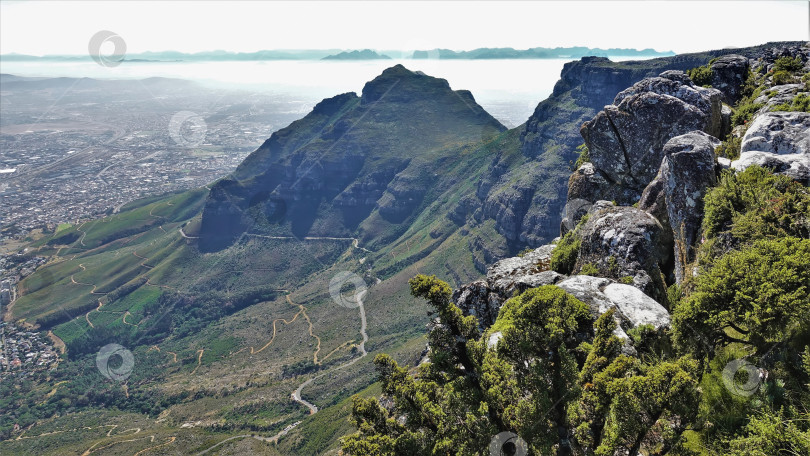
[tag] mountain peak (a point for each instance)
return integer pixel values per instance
(398, 83)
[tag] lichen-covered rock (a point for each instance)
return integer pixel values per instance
(479, 300)
(780, 141)
(633, 308)
(589, 185)
(728, 75)
(510, 276)
(686, 173)
(779, 133)
(779, 95)
(626, 241)
(654, 200)
(795, 166)
(626, 139)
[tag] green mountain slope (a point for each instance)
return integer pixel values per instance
(222, 294)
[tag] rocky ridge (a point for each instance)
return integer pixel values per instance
(653, 148)
(524, 192)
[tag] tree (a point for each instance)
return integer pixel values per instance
(543, 369)
(758, 296)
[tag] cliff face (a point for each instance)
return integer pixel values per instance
(357, 165)
(350, 157)
(526, 196)
(654, 145)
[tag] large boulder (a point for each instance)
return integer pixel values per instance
(795, 166)
(633, 308)
(626, 242)
(626, 139)
(780, 141)
(728, 75)
(780, 133)
(686, 173)
(510, 276)
(589, 185)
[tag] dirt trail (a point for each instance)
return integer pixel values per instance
(199, 360)
(296, 395)
(169, 442)
(124, 319)
(183, 233)
(142, 258)
(155, 347)
(93, 291)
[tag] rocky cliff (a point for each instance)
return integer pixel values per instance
(652, 151)
(525, 196)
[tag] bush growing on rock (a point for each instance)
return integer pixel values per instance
(729, 148)
(565, 254)
(744, 113)
(591, 270)
(756, 204)
(757, 296)
(800, 102)
(583, 156)
(545, 371)
(787, 64)
(701, 75)
(781, 78)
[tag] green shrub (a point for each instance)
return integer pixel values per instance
(756, 204)
(627, 280)
(589, 269)
(701, 75)
(744, 112)
(584, 156)
(782, 77)
(564, 256)
(752, 85)
(773, 433)
(787, 64)
(756, 296)
(729, 148)
(799, 103)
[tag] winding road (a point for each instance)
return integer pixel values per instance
(296, 395)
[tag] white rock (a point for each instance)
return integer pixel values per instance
(637, 307)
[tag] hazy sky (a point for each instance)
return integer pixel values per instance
(33, 27)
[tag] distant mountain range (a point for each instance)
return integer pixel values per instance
(366, 54)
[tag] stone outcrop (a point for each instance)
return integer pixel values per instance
(634, 308)
(781, 133)
(483, 298)
(780, 141)
(625, 241)
(626, 140)
(728, 75)
(779, 95)
(686, 173)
